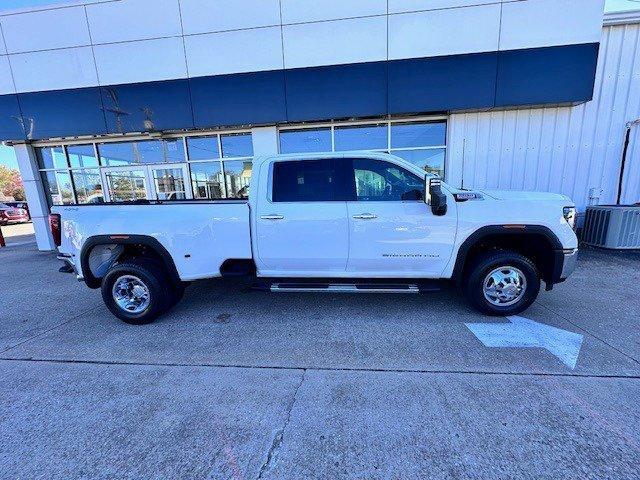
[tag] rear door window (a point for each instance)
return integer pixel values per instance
(304, 181)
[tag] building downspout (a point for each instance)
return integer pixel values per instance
(625, 150)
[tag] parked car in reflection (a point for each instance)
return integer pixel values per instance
(9, 214)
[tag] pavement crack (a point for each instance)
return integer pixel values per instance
(279, 437)
(114, 363)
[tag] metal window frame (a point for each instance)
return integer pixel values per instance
(389, 122)
(140, 137)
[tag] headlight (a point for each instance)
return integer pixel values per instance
(569, 214)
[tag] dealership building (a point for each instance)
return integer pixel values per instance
(108, 101)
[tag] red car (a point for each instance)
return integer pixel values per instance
(12, 215)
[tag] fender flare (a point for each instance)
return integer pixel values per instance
(146, 240)
(512, 231)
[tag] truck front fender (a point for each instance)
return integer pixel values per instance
(516, 237)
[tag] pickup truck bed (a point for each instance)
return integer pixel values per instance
(197, 236)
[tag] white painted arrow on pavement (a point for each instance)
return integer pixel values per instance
(524, 333)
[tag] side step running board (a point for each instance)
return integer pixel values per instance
(344, 288)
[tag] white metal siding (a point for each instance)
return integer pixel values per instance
(568, 150)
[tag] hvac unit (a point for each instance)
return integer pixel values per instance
(612, 226)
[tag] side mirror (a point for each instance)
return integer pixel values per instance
(435, 197)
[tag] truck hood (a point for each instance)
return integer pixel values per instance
(531, 196)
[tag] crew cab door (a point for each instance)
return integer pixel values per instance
(393, 232)
(302, 226)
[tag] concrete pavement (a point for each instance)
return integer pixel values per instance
(241, 384)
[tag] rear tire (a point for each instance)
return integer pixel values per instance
(502, 283)
(136, 291)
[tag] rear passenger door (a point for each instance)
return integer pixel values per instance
(302, 225)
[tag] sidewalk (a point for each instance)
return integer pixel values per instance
(19, 234)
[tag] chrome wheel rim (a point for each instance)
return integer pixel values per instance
(131, 294)
(504, 286)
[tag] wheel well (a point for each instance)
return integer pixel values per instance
(535, 246)
(99, 254)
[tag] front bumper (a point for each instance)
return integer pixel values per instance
(564, 265)
(569, 262)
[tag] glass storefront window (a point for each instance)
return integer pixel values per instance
(361, 137)
(127, 185)
(207, 180)
(236, 145)
(422, 143)
(82, 156)
(51, 157)
(51, 186)
(307, 140)
(88, 186)
(174, 150)
(147, 151)
(169, 184)
(431, 160)
(203, 148)
(119, 154)
(237, 175)
(418, 134)
(219, 164)
(64, 188)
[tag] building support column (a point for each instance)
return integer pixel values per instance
(265, 141)
(36, 196)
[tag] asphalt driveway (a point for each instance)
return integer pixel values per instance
(241, 384)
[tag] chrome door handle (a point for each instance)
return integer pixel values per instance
(365, 216)
(272, 217)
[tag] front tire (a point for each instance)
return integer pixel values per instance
(136, 291)
(502, 283)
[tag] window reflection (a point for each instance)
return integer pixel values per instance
(169, 184)
(51, 157)
(236, 145)
(207, 180)
(203, 148)
(77, 166)
(431, 160)
(51, 186)
(147, 151)
(126, 186)
(383, 182)
(237, 175)
(361, 137)
(306, 140)
(82, 156)
(422, 143)
(65, 188)
(418, 134)
(88, 186)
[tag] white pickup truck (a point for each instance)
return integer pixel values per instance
(349, 222)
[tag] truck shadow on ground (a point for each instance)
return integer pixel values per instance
(239, 298)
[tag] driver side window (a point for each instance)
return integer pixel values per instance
(378, 181)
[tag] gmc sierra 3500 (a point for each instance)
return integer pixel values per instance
(348, 222)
